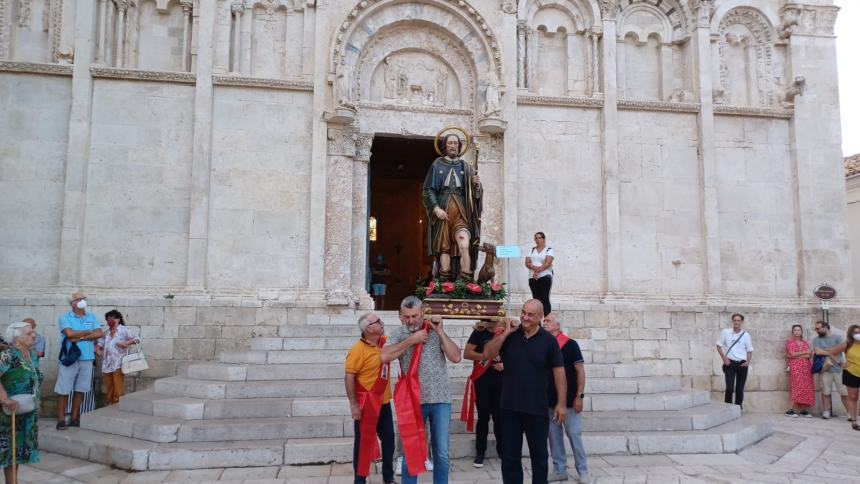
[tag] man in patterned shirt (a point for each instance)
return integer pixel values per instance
(433, 375)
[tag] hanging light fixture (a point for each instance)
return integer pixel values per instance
(371, 225)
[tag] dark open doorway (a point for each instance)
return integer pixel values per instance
(398, 166)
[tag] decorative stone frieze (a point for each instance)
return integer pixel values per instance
(141, 75)
(362, 146)
(754, 112)
(279, 84)
(808, 20)
(743, 29)
(341, 142)
(669, 107)
(415, 109)
(36, 68)
(573, 101)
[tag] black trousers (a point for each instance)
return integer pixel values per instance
(385, 431)
(536, 428)
(736, 378)
(540, 290)
(488, 393)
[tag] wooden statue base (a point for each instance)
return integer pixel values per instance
(481, 309)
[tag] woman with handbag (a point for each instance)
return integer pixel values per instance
(19, 394)
(799, 355)
(114, 346)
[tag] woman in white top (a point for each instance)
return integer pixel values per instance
(539, 262)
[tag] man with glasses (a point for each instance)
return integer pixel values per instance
(369, 391)
(830, 377)
(81, 327)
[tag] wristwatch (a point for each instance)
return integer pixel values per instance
(581, 395)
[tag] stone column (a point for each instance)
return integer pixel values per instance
(708, 196)
(102, 32)
(666, 72)
(359, 220)
(570, 44)
(201, 155)
(308, 32)
(816, 151)
(236, 45)
(338, 215)
(78, 149)
(594, 86)
(611, 190)
(110, 34)
(531, 57)
(247, 28)
(521, 53)
(186, 33)
(122, 7)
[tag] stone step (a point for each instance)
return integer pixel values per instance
(676, 400)
(726, 438)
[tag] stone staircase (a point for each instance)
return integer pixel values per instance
(283, 402)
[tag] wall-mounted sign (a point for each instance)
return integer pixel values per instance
(824, 291)
(508, 251)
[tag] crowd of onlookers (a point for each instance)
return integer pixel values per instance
(82, 338)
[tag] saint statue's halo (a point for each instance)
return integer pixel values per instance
(444, 131)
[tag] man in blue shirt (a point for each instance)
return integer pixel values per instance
(76, 326)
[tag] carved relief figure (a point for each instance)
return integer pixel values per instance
(492, 105)
(343, 93)
(441, 86)
(391, 78)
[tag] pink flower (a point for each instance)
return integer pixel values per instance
(447, 287)
(430, 288)
(496, 287)
(474, 288)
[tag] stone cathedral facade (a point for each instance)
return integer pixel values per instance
(203, 164)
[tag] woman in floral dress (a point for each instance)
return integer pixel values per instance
(799, 356)
(19, 374)
(114, 344)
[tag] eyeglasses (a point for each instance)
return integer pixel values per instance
(378, 321)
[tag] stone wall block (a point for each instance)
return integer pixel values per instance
(241, 316)
(140, 316)
(212, 316)
(268, 316)
(193, 349)
(694, 367)
(683, 319)
(656, 320)
(158, 368)
(596, 319)
(655, 334)
(662, 367)
(646, 349)
(625, 319)
(180, 316)
(618, 333)
(147, 332)
(236, 332)
(674, 349)
(159, 349)
(222, 345)
(599, 334)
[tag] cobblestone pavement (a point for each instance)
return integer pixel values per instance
(799, 451)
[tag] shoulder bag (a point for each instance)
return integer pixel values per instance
(732, 346)
(134, 362)
(69, 352)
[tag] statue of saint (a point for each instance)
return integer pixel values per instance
(452, 198)
(492, 107)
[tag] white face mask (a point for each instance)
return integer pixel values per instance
(857, 337)
(82, 304)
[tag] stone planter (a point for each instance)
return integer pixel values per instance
(483, 309)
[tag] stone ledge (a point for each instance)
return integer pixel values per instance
(595, 102)
(36, 68)
(755, 112)
(660, 106)
(415, 108)
(265, 83)
(143, 75)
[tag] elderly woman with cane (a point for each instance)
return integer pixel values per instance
(19, 395)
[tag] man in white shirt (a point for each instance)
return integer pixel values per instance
(735, 348)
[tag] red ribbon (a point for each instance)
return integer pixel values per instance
(370, 402)
(410, 421)
(467, 410)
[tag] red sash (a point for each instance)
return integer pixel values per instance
(562, 339)
(467, 410)
(407, 402)
(370, 403)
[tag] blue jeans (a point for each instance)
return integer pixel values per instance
(573, 427)
(439, 415)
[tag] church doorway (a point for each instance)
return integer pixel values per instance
(397, 169)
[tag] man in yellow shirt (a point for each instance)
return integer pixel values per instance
(369, 391)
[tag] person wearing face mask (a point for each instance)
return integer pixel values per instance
(830, 376)
(114, 345)
(81, 327)
(851, 373)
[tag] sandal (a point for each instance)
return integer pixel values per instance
(855, 426)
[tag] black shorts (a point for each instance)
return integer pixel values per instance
(850, 380)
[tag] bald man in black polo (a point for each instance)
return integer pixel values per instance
(532, 358)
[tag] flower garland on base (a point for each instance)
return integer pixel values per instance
(460, 289)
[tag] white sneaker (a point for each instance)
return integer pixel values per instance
(826, 415)
(428, 464)
(556, 477)
(584, 479)
(398, 465)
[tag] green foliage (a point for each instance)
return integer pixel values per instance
(459, 289)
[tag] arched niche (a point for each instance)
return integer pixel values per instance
(416, 63)
(674, 17)
(455, 22)
(750, 67)
(585, 13)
